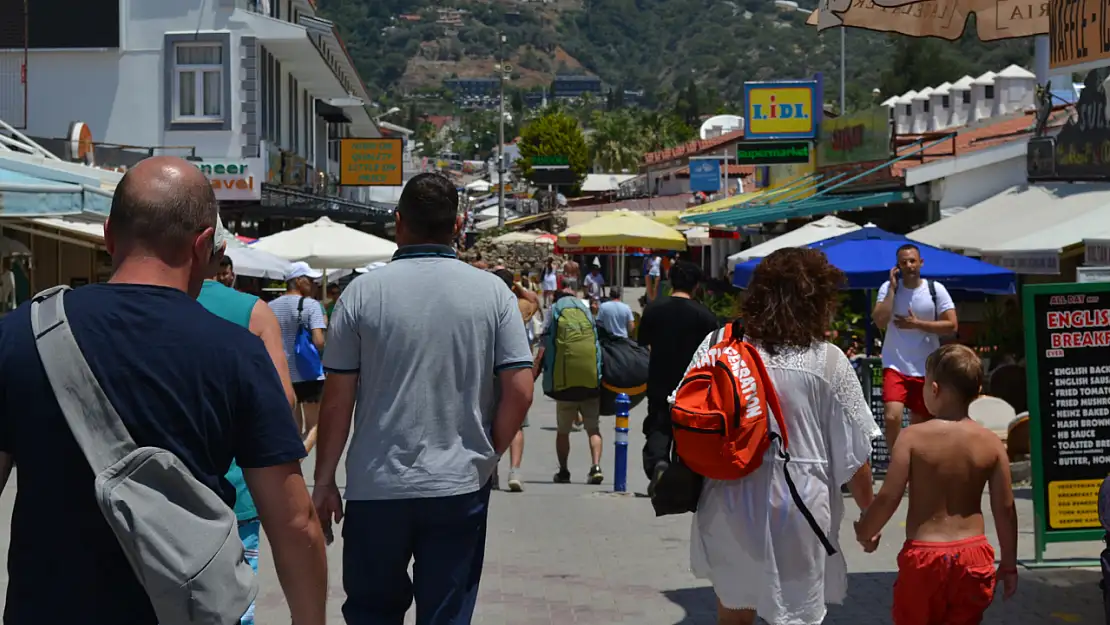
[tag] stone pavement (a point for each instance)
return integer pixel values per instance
(580, 554)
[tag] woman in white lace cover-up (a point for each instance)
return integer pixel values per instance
(748, 537)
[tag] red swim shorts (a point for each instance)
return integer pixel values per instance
(944, 583)
(905, 389)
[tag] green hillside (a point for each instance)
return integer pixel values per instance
(404, 47)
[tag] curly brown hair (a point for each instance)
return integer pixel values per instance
(791, 299)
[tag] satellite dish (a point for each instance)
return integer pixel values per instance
(719, 125)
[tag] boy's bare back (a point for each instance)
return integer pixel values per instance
(949, 465)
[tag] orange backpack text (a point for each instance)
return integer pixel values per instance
(726, 415)
(723, 411)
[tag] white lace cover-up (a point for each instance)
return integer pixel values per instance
(748, 537)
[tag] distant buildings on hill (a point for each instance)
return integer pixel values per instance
(482, 92)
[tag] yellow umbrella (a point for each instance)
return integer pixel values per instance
(622, 229)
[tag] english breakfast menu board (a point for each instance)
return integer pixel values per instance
(1067, 344)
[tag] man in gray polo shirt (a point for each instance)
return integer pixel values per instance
(434, 351)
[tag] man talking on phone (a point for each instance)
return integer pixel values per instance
(914, 313)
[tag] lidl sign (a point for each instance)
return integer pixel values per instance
(781, 110)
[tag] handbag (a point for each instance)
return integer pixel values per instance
(678, 489)
(305, 354)
(181, 539)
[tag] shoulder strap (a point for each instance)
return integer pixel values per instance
(932, 294)
(91, 417)
(300, 310)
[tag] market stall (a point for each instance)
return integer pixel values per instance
(619, 232)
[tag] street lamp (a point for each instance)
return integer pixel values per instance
(502, 70)
(789, 4)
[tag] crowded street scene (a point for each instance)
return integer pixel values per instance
(542, 313)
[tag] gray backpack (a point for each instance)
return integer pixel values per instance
(180, 538)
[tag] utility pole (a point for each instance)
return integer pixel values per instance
(501, 134)
(843, 63)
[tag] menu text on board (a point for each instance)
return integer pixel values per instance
(1073, 379)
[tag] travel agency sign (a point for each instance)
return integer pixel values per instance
(856, 138)
(781, 110)
(234, 180)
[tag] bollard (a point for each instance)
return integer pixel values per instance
(620, 460)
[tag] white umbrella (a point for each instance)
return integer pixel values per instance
(256, 263)
(824, 228)
(328, 245)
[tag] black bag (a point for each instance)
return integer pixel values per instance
(678, 489)
(624, 369)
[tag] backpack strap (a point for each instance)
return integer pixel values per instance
(300, 310)
(933, 295)
(95, 424)
(783, 441)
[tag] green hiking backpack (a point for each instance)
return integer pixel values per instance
(572, 354)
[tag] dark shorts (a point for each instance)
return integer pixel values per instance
(309, 392)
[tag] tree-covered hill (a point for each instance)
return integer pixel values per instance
(405, 46)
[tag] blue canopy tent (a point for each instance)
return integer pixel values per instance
(867, 255)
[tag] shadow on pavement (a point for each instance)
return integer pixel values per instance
(1044, 596)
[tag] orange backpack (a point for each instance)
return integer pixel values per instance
(726, 415)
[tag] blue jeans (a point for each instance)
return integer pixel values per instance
(447, 538)
(249, 532)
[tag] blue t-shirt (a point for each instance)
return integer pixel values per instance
(181, 379)
(614, 316)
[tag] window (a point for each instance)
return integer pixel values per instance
(967, 97)
(909, 109)
(988, 92)
(198, 82)
(196, 69)
(263, 90)
(277, 102)
(926, 106)
(945, 102)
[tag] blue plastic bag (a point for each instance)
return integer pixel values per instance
(305, 354)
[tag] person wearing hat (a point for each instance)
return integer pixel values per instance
(294, 309)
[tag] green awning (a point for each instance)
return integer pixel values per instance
(809, 207)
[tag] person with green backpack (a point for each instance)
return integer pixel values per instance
(570, 358)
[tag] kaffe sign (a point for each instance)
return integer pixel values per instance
(1078, 32)
(994, 19)
(234, 180)
(1067, 333)
(773, 153)
(781, 110)
(370, 162)
(1082, 148)
(856, 138)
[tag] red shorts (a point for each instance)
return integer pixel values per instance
(944, 583)
(906, 390)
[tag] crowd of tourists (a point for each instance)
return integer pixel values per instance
(161, 405)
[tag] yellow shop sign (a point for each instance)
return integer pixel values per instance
(781, 110)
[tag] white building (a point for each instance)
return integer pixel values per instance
(964, 102)
(261, 83)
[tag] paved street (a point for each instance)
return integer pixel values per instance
(580, 554)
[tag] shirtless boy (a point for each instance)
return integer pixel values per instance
(946, 573)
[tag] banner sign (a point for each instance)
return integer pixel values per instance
(1082, 147)
(856, 138)
(945, 19)
(234, 180)
(370, 162)
(1077, 32)
(1029, 264)
(705, 175)
(773, 153)
(781, 110)
(1067, 331)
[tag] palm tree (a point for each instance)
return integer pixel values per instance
(615, 141)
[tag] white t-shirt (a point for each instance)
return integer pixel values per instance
(654, 269)
(905, 351)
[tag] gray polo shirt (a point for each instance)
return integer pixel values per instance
(427, 335)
